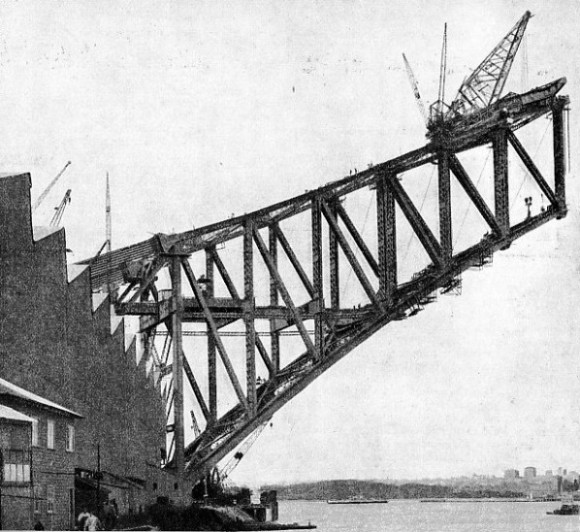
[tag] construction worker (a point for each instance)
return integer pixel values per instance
(92, 522)
(109, 516)
(81, 518)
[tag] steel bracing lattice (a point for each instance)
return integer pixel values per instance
(485, 84)
(326, 327)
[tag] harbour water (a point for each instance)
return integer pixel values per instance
(415, 516)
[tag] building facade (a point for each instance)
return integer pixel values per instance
(56, 341)
(511, 474)
(50, 470)
(16, 496)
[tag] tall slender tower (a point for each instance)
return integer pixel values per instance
(108, 231)
(108, 215)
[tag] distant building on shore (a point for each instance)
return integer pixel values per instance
(529, 472)
(511, 474)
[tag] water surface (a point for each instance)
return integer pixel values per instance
(414, 516)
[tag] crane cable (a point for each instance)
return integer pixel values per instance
(525, 169)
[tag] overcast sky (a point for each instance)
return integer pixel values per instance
(203, 109)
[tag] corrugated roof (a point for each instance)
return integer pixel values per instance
(9, 413)
(7, 388)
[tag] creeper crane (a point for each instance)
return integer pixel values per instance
(481, 89)
(485, 84)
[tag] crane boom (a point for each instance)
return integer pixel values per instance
(415, 87)
(243, 449)
(443, 67)
(485, 84)
(42, 196)
(438, 108)
(57, 217)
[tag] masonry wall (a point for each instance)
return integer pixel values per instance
(16, 498)
(54, 344)
(52, 468)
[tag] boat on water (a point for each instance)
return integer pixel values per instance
(566, 509)
(356, 500)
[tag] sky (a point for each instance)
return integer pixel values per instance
(200, 110)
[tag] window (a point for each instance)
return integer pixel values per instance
(50, 499)
(50, 434)
(35, 431)
(17, 473)
(37, 498)
(16, 466)
(70, 438)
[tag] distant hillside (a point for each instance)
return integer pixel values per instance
(344, 489)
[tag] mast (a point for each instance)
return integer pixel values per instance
(108, 231)
(443, 68)
(108, 215)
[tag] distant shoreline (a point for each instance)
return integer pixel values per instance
(496, 499)
(476, 491)
(444, 500)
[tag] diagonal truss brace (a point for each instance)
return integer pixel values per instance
(282, 289)
(368, 288)
(293, 259)
(473, 193)
(417, 222)
(234, 293)
(527, 160)
(147, 282)
(191, 378)
(357, 237)
(215, 333)
(195, 387)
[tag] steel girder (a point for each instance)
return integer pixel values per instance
(327, 329)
